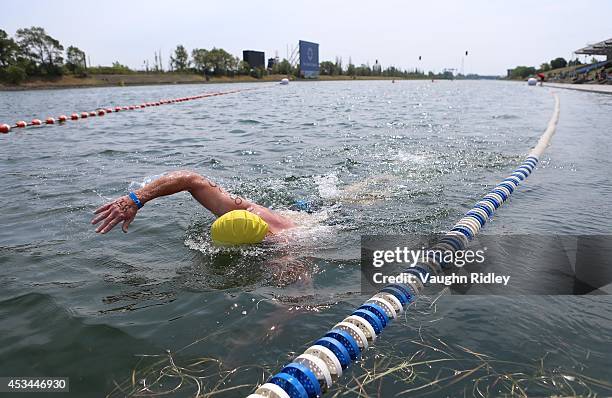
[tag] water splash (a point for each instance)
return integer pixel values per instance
(327, 185)
(135, 185)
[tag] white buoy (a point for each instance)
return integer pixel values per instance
(284, 81)
(532, 81)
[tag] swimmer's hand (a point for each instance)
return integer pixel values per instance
(112, 213)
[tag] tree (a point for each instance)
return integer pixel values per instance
(521, 72)
(42, 49)
(118, 68)
(449, 75)
(544, 67)
(216, 61)
(234, 66)
(201, 60)
(14, 74)
(284, 67)
(558, 63)
(8, 50)
(338, 66)
(350, 69)
(326, 68)
(75, 60)
(244, 67)
(221, 61)
(363, 70)
(180, 60)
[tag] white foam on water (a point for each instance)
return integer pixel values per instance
(327, 186)
(135, 185)
(203, 244)
(407, 157)
(310, 231)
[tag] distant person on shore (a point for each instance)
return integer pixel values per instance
(541, 77)
(239, 220)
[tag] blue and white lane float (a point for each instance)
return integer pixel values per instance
(311, 374)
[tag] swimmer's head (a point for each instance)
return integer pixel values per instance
(238, 227)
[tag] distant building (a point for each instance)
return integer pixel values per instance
(601, 48)
(510, 72)
(255, 59)
(377, 68)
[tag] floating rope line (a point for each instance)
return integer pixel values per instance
(312, 373)
(5, 128)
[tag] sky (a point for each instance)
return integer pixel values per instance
(497, 34)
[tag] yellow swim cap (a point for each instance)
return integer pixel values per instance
(238, 227)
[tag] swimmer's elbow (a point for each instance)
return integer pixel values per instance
(190, 179)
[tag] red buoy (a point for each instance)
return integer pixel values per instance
(74, 116)
(142, 105)
(109, 110)
(36, 122)
(117, 109)
(92, 113)
(5, 128)
(62, 118)
(50, 120)
(101, 112)
(21, 124)
(84, 115)
(126, 108)
(132, 107)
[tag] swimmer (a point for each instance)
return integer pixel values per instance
(239, 220)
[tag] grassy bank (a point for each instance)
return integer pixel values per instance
(142, 79)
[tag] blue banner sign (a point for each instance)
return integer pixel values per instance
(309, 59)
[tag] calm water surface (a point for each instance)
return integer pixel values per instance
(377, 158)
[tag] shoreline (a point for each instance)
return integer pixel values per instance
(587, 88)
(118, 80)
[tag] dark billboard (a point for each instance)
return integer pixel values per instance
(255, 59)
(309, 59)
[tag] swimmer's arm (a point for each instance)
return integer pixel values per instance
(209, 194)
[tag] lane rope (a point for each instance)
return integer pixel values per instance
(307, 377)
(6, 128)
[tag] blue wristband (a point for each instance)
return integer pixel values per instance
(135, 199)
